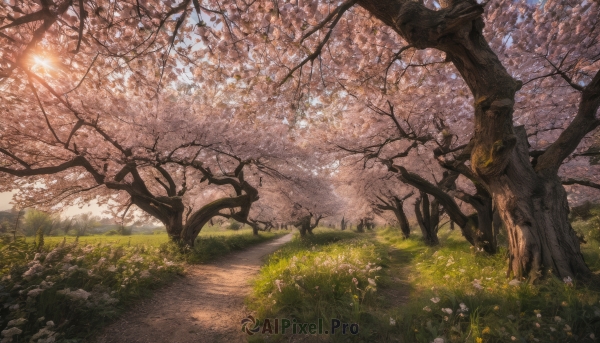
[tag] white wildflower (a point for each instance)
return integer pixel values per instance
(392, 321)
(79, 294)
(426, 308)
(514, 282)
(279, 284)
(435, 300)
(8, 333)
(51, 255)
(372, 282)
(44, 332)
(557, 319)
(463, 307)
(16, 322)
(35, 292)
(34, 269)
(46, 284)
(438, 340)
(447, 310)
(355, 280)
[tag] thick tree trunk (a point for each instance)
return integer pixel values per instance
(485, 218)
(485, 235)
(422, 212)
(467, 226)
(533, 205)
(303, 225)
(197, 220)
(174, 227)
(361, 226)
(534, 210)
(496, 223)
(402, 220)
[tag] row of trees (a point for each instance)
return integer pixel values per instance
(30, 222)
(267, 111)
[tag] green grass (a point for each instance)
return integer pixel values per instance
(137, 239)
(212, 245)
(455, 293)
(454, 277)
(67, 289)
(332, 274)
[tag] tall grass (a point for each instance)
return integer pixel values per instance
(456, 293)
(331, 274)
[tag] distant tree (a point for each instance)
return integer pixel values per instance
(84, 222)
(35, 220)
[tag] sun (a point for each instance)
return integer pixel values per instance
(41, 62)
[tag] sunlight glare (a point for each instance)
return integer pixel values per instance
(42, 62)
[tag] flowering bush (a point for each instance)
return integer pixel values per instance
(65, 291)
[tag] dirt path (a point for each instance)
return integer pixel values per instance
(205, 306)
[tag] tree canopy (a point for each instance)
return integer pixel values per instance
(276, 111)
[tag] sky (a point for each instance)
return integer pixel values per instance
(5, 198)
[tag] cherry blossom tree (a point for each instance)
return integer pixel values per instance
(161, 158)
(498, 56)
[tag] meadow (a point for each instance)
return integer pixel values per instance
(401, 290)
(67, 288)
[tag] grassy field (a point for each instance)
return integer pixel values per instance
(65, 290)
(449, 293)
(137, 239)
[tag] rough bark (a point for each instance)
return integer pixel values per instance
(532, 204)
(396, 205)
(361, 226)
(534, 210)
(482, 203)
(467, 226)
(303, 225)
(427, 218)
